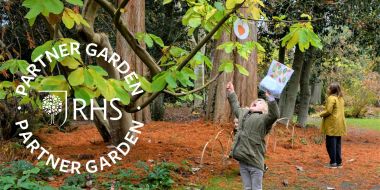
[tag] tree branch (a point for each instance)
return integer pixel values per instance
(145, 57)
(194, 90)
(132, 108)
(208, 37)
(118, 11)
(285, 21)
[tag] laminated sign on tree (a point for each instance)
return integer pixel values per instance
(241, 29)
(276, 78)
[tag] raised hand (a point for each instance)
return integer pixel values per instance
(269, 96)
(230, 87)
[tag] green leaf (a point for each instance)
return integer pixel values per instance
(22, 65)
(159, 82)
(75, 2)
(171, 80)
(42, 7)
(120, 92)
(303, 15)
(157, 40)
(230, 4)
(293, 41)
(106, 89)
(76, 77)
(226, 66)
(31, 171)
(145, 84)
(15, 65)
(83, 93)
(167, 2)
(70, 18)
(148, 40)
(99, 70)
(67, 20)
(55, 83)
(88, 80)
(40, 50)
(70, 62)
(227, 46)
(2, 94)
(190, 73)
(176, 51)
(183, 78)
(195, 22)
(242, 70)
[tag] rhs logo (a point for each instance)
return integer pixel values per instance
(55, 102)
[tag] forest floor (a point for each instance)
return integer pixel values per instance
(300, 166)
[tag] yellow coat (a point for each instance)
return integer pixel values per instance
(333, 122)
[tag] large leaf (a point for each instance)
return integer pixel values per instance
(88, 80)
(44, 7)
(98, 69)
(70, 17)
(40, 50)
(226, 66)
(120, 92)
(227, 46)
(157, 40)
(145, 84)
(102, 85)
(55, 83)
(84, 93)
(76, 77)
(148, 40)
(70, 62)
(230, 4)
(170, 79)
(15, 65)
(242, 70)
(159, 82)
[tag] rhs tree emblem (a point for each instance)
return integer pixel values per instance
(52, 105)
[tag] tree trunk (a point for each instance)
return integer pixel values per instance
(218, 108)
(157, 108)
(246, 86)
(116, 133)
(305, 94)
(135, 19)
(281, 54)
(289, 95)
(316, 93)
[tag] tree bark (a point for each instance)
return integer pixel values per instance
(218, 108)
(157, 108)
(116, 133)
(316, 93)
(305, 94)
(134, 18)
(281, 54)
(289, 95)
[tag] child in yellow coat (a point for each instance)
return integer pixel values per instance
(334, 125)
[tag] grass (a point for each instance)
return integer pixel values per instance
(228, 181)
(366, 123)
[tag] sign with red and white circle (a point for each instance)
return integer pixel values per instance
(241, 29)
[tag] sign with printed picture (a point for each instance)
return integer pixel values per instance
(276, 78)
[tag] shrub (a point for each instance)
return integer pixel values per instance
(362, 94)
(21, 175)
